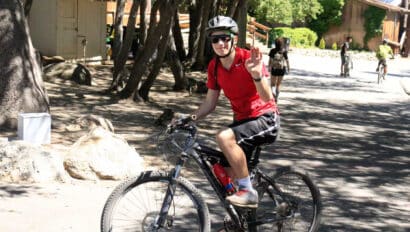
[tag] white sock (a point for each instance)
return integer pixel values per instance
(245, 183)
(274, 90)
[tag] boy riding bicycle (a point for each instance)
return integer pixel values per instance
(382, 52)
(244, 80)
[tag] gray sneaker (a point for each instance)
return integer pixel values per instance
(244, 198)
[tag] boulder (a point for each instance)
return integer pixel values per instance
(27, 162)
(101, 154)
(90, 121)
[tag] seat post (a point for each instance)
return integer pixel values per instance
(254, 158)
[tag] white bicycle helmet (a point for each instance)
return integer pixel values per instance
(222, 23)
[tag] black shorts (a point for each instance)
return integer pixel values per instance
(383, 62)
(343, 57)
(253, 132)
(278, 72)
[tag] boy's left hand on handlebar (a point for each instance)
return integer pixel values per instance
(181, 119)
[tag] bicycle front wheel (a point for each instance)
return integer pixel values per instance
(290, 203)
(135, 205)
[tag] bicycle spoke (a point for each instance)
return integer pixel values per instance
(294, 208)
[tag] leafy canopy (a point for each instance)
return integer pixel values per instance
(285, 11)
(331, 15)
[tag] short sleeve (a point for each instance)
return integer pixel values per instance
(211, 82)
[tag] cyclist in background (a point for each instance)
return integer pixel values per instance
(244, 80)
(382, 52)
(343, 52)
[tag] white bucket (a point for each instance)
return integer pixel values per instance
(34, 127)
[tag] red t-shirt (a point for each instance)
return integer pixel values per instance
(239, 88)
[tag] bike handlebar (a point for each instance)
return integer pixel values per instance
(183, 122)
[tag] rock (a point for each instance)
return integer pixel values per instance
(23, 161)
(165, 117)
(101, 154)
(69, 71)
(88, 122)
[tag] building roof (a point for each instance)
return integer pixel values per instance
(390, 5)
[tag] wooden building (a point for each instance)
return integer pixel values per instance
(69, 28)
(353, 23)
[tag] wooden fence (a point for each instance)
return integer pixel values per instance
(257, 30)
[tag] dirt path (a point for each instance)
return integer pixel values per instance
(350, 134)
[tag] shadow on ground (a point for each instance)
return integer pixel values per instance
(358, 153)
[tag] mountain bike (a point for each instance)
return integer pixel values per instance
(166, 201)
(380, 73)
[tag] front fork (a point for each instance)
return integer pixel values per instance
(169, 196)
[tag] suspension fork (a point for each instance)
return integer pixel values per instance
(169, 196)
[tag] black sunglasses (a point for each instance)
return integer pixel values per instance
(224, 38)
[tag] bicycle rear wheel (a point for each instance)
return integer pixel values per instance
(135, 205)
(291, 203)
(380, 75)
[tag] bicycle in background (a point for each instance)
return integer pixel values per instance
(380, 73)
(166, 201)
(348, 65)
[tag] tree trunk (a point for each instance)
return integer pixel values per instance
(118, 31)
(155, 32)
(122, 57)
(172, 59)
(143, 23)
(199, 59)
(27, 7)
(194, 25)
(231, 8)
(21, 84)
(242, 21)
(176, 66)
(146, 86)
(179, 41)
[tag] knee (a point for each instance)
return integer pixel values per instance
(225, 137)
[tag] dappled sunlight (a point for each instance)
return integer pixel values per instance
(350, 135)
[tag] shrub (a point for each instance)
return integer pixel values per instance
(322, 43)
(334, 46)
(299, 37)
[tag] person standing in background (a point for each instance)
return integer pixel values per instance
(343, 52)
(278, 65)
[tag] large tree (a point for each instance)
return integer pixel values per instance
(21, 85)
(331, 15)
(158, 33)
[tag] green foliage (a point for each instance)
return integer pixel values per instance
(322, 43)
(299, 37)
(331, 15)
(334, 46)
(355, 46)
(373, 21)
(284, 11)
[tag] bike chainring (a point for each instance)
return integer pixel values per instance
(229, 225)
